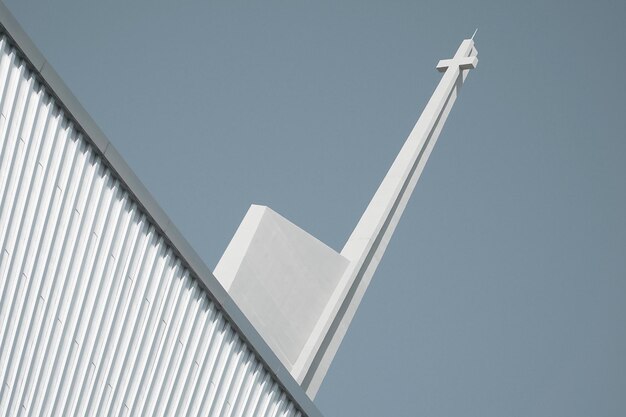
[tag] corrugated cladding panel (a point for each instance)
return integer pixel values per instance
(98, 316)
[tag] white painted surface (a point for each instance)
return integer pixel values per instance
(282, 278)
(97, 314)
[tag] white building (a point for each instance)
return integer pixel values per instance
(105, 309)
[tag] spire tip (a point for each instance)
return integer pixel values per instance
(476, 31)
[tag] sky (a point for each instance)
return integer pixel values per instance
(503, 291)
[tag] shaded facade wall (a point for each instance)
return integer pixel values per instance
(97, 314)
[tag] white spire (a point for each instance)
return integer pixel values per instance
(366, 246)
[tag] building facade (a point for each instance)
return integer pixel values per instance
(104, 309)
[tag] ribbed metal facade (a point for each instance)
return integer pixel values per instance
(98, 315)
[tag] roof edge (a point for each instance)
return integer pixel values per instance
(44, 72)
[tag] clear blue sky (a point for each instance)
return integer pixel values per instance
(503, 292)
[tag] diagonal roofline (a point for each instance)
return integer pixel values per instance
(45, 74)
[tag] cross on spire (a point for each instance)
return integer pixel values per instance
(464, 59)
(462, 62)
